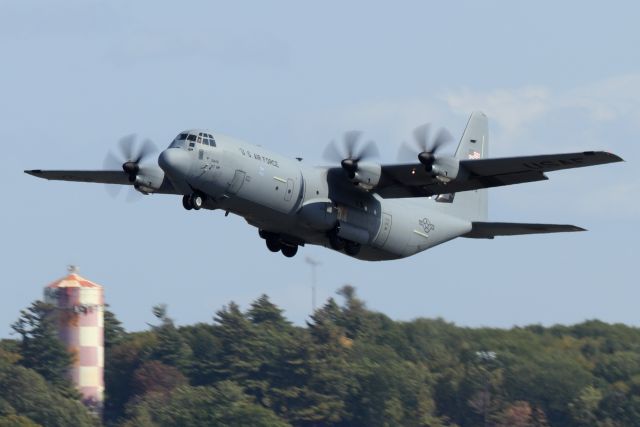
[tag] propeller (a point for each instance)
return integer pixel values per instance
(131, 153)
(424, 148)
(351, 152)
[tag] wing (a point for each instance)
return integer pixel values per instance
(489, 230)
(98, 176)
(411, 180)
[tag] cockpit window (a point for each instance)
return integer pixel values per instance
(181, 137)
(191, 137)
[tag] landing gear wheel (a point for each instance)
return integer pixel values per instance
(352, 248)
(273, 244)
(336, 242)
(186, 203)
(196, 201)
(289, 250)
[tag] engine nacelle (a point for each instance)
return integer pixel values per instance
(446, 168)
(368, 175)
(149, 180)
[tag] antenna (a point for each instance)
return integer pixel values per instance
(313, 263)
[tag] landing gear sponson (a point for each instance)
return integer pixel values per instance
(275, 243)
(338, 243)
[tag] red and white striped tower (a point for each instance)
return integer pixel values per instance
(80, 306)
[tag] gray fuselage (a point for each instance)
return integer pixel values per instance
(303, 204)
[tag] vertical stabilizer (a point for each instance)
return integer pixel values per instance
(474, 144)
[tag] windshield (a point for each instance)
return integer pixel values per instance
(193, 138)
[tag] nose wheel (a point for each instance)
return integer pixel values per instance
(192, 201)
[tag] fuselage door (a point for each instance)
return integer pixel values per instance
(236, 182)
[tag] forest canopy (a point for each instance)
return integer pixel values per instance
(348, 366)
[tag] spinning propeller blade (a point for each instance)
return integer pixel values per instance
(129, 158)
(423, 148)
(351, 152)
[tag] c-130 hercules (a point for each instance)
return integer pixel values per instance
(368, 210)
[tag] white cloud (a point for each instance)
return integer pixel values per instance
(514, 110)
(619, 96)
(511, 109)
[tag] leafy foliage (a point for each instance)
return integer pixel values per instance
(41, 349)
(27, 399)
(348, 366)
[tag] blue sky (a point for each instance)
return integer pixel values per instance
(552, 76)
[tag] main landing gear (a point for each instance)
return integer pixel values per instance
(276, 244)
(192, 201)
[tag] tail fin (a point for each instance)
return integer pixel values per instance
(474, 144)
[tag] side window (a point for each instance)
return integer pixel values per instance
(212, 141)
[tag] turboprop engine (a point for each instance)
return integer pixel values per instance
(148, 180)
(145, 179)
(365, 175)
(445, 169)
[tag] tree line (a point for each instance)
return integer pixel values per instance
(348, 366)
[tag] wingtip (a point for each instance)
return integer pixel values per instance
(614, 157)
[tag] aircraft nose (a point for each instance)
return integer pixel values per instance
(174, 162)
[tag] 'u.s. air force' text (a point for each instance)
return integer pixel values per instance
(259, 157)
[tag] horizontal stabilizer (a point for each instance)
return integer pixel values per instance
(489, 230)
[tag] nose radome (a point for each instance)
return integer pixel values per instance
(174, 161)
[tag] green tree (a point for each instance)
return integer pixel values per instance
(41, 349)
(222, 405)
(263, 311)
(25, 393)
(550, 381)
(155, 376)
(328, 378)
(113, 330)
(16, 421)
(204, 347)
(122, 361)
(584, 407)
(389, 391)
(619, 366)
(236, 357)
(171, 349)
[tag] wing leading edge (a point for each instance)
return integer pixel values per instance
(411, 180)
(489, 230)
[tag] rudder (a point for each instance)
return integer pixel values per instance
(474, 144)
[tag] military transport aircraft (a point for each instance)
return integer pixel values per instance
(366, 209)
